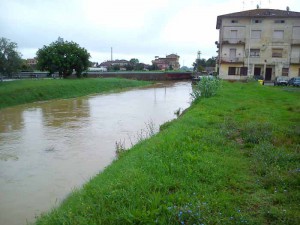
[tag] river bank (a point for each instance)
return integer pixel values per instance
(230, 159)
(26, 91)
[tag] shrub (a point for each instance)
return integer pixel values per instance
(206, 87)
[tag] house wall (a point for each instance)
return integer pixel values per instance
(294, 71)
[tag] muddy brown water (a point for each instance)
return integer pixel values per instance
(48, 149)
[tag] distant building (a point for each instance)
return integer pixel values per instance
(171, 61)
(259, 42)
(97, 69)
(31, 62)
(121, 63)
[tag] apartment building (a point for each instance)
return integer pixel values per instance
(171, 61)
(259, 42)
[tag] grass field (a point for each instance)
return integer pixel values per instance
(229, 159)
(26, 91)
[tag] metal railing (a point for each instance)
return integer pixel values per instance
(233, 41)
(232, 59)
(295, 60)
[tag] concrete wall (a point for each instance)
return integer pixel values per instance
(144, 75)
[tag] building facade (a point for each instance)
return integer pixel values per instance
(170, 62)
(259, 42)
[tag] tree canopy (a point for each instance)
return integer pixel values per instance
(10, 58)
(200, 64)
(63, 57)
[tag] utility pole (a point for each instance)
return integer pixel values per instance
(198, 55)
(198, 60)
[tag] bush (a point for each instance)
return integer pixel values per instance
(206, 87)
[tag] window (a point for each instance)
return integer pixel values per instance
(285, 71)
(279, 21)
(254, 52)
(278, 34)
(244, 71)
(296, 33)
(257, 21)
(277, 53)
(255, 34)
(231, 70)
(232, 53)
(233, 33)
(234, 21)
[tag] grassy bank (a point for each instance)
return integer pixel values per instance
(230, 159)
(26, 91)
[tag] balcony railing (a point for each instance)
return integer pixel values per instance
(233, 41)
(279, 40)
(232, 59)
(295, 41)
(295, 60)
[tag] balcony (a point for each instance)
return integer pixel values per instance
(295, 41)
(295, 60)
(235, 41)
(232, 59)
(278, 40)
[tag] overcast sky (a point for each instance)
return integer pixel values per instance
(139, 29)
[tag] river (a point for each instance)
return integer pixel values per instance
(48, 149)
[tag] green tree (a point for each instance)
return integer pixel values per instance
(211, 62)
(139, 66)
(129, 67)
(63, 57)
(10, 58)
(133, 61)
(136, 65)
(200, 64)
(154, 67)
(116, 67)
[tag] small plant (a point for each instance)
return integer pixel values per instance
(206, 87)
(120, 147)
(255, 133)
(144, 134)
(177, 113)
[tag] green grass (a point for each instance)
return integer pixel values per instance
(229, 159)
(27, 91)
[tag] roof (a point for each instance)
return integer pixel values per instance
(259, 13)
(172, 56)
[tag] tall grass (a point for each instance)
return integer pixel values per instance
(26, 91)
(205, 88)
(230, 159)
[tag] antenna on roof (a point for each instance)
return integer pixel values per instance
(287, 8)
(257, 6)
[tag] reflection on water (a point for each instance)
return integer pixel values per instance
(49, 148)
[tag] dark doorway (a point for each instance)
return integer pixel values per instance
(257, 71)
(268, 75)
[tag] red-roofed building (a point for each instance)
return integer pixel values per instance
(170, 62)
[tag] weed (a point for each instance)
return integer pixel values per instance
(120, 148)
(255, 132)
(206, 87)
(177, 112)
